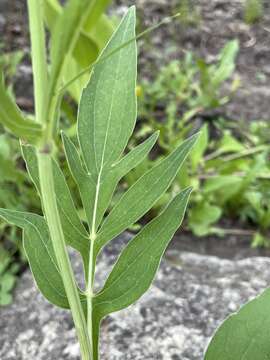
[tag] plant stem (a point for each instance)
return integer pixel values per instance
(58, 240)
(89, 292)
(35, 8)
(91, 269)
(39, 63)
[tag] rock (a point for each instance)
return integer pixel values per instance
(175, 319)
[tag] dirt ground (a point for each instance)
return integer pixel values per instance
(217, 21)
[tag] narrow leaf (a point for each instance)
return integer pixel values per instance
(75, 233)
(143, 194)
(107, 109)
(135, 269)
(39, 250)
(113, 175)
(244, 335)
(107, 115)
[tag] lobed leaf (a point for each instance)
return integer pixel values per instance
(105, 122)
(107, 110)
(75, 233)
(134, 271)
(244, 335)
(143, 194)
(86, 183)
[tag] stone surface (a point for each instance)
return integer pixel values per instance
(191, 295)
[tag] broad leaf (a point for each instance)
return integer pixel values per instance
(143, 194)
(244, 335)
(113, 175)
(136, 267)
(75, 233)
(39, 250)
(12, 118)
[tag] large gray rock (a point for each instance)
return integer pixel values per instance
(191, 295)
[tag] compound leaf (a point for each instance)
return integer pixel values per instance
(107, 114)
(143, 194)
(136, 267)
(75, 233)
(113, 175)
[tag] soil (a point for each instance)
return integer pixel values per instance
(216, 22)
(228, 247)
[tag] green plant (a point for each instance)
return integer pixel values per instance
(182, 90)
(15, 192)
(189, 15)
(253, 11)
(244, 335)
(8, 275)
(229, 170)
(106, 118)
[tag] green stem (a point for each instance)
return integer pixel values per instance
(39, 63)
(90, 292)
(91, 269)
(58, 240)
(45, 168)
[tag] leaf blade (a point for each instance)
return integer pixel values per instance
(12, 118)
(75, 233)
(140, 259)
(40, 254)
(104, 138)
(140, 197)
(243, 335)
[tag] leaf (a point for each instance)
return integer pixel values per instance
(85, 51)
(7, 282)
(64, 35)
(92, 37)
(227, 62)
(40, 253)
(5, 298)
(96, 12)
(202, 216)
(12, 118)
(229, 143)
(113, 176)
(220, 182)
(143, 194)
(135, 269)
(105, 123)
(244, 335)
(75, 233)
(199, 149)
